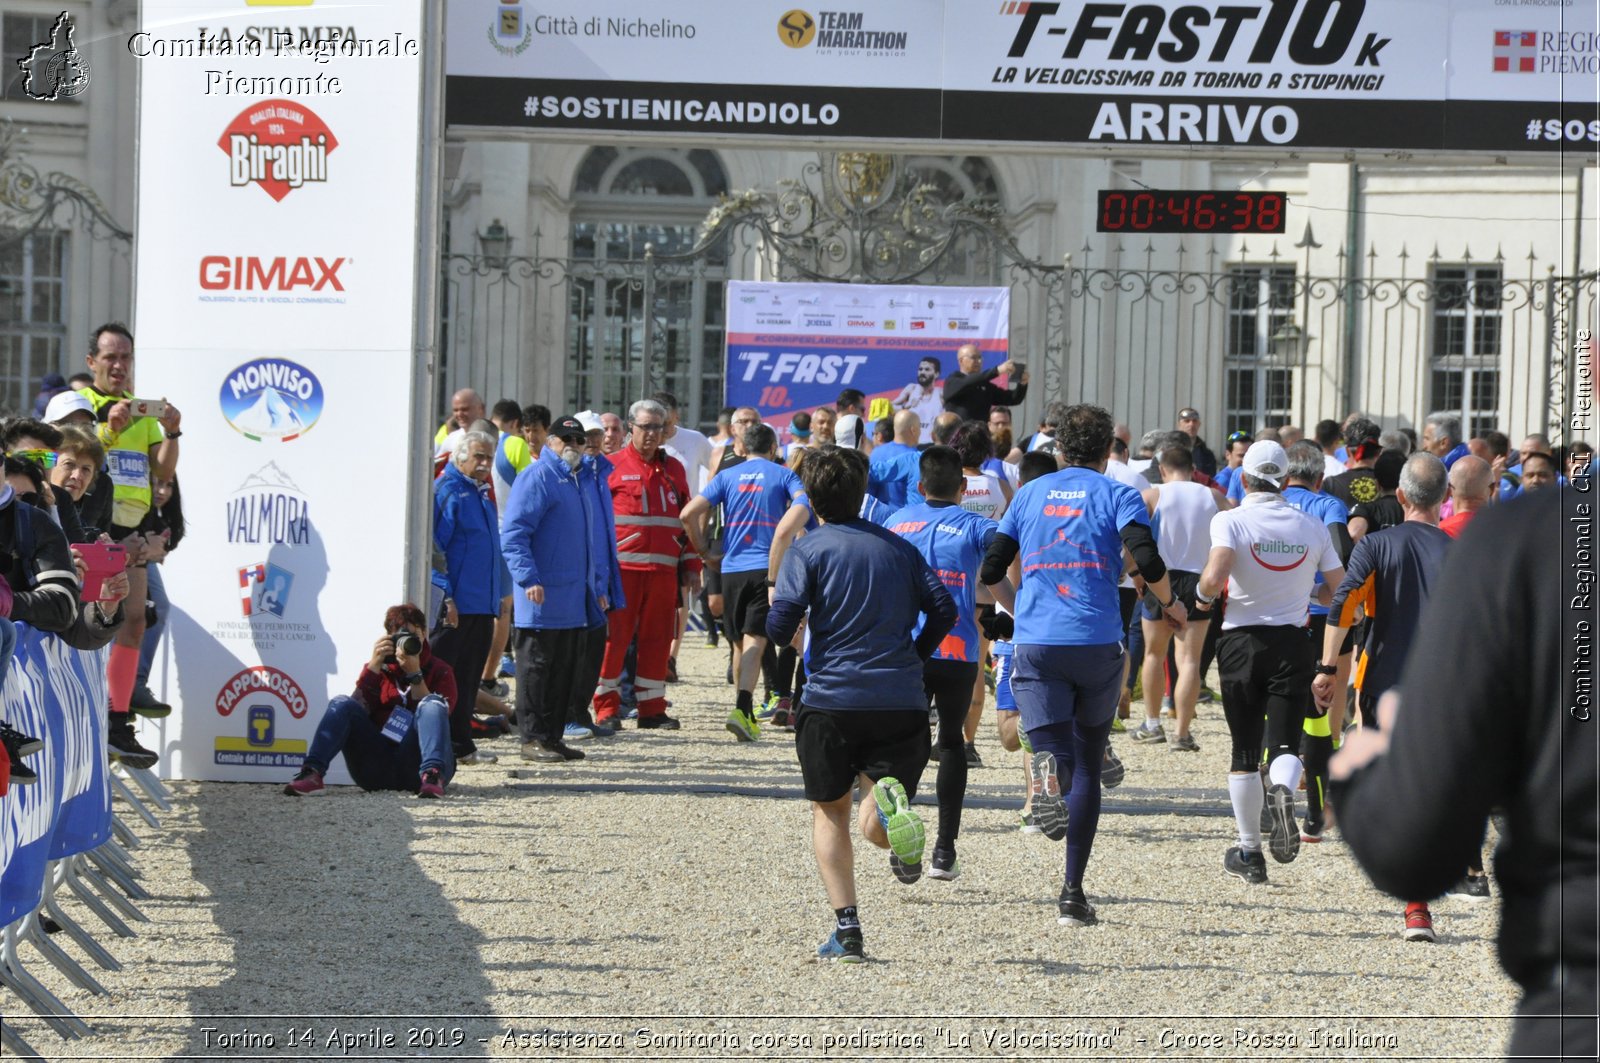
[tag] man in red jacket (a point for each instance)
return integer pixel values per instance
(648, 491)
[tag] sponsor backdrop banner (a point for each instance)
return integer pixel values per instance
(274, 281)
(1306, 75)
(794, 347)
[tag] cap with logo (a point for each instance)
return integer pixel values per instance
(847, 431)
(1266, 460)
(590, 421)
(65, 405)
(570, 428)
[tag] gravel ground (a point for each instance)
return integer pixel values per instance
(659, 900)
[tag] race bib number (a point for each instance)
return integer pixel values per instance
(399, 724)
(129, 468)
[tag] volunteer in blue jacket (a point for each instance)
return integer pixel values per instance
(594, 478)
(466, 532)
(550, 548)
(1070, 530)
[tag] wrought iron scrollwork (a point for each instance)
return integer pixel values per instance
(31, 201)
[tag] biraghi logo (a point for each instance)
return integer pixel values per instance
(271, 399)
(278, 144)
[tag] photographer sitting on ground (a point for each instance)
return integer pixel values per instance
(395, 731)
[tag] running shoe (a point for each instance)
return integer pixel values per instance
(1167, 709)
(430, 785)
(1419, 923)
(1146, 735)
(973, 760)
(1247, 864)
(20, 774)
(1184, 744)
(496, 687)
(907, 835)
(842, 946)
(1284, 840)
(659, 722)
(742, 727)
(1208, 696)
(769, 708)
(1049, 810)
(943, 866)
(1310, 833)
(782, 713)
(144, 703)
(508, 667)
(1111, 770)
(480, 756)
(124, 745)
(576, 732)
(1022, 739)
(1472, 888)
(1074, 907)
(18, 744)
(1028, 826)
(307, 783)
(1117, 726)
(600, 730)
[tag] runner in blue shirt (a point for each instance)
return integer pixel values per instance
(754, 495)
(865, 717)
(1070, 530)
(952, 541)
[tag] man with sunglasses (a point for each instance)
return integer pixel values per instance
(139, 450)
(1204, 461)
(649, 489)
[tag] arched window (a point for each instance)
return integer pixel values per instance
(624, 199)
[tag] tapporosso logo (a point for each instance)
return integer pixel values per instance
(272, 399)
(280, 145)
(263, 691)
(1283, 556)
(262, 679)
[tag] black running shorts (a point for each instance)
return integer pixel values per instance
(744, 603)
(835, 745)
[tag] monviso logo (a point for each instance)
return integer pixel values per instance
(271, 399)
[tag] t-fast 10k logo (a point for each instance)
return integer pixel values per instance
(280, 145)
(271, 399)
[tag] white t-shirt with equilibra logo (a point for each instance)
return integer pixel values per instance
(1277, 553)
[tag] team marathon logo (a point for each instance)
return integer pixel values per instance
(278, 144)
(263, 691)
(271, 399)
(54, 69)
(269, 509)
(840, 33)
(1285, 557)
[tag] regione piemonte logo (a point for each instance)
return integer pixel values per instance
(278, 144)
(1516, 51)
(271, 399)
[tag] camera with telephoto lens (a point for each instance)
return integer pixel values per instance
(406, 644)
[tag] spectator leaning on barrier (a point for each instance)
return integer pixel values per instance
(72, 410)
(467, 530)
(394, 731)
(37, 442)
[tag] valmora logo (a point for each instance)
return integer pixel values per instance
(271, 398)
(1285, 556)
(269, 509)
(247, 273)
(279, 145)
(262, 679)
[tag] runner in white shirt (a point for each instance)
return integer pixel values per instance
(1181, 512)
(1267, 554)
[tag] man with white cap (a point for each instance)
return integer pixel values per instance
(1267, 554)
(594, 476)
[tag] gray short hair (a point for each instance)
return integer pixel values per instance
(1446, 424)
(646, 406)
(1055, 415)
(1424, 480)
(1394, 439)
(1306, 462)
(1151, 440)
(464, 445)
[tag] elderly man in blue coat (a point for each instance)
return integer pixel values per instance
(549, 539)
(594, 480)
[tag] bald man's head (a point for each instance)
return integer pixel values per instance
(907, 427)
(1471, 481)
(466, 406)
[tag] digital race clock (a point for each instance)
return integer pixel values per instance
(1154, 211)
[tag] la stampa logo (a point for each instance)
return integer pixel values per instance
(278, 144)
(1516, 51)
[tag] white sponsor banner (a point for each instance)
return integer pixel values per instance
(274, 280)
(1439, 75)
